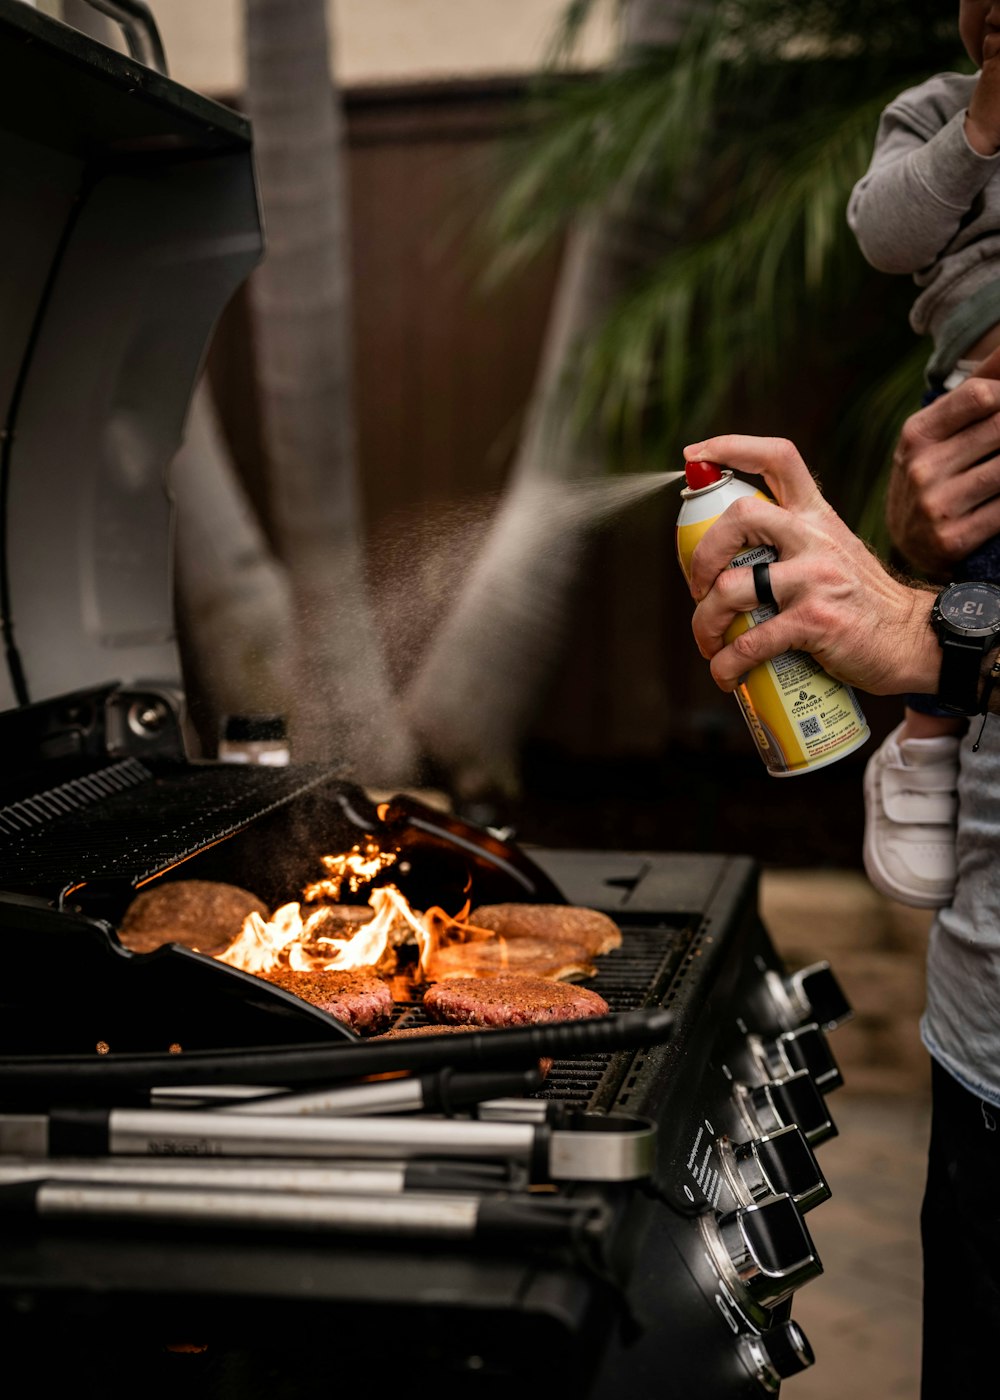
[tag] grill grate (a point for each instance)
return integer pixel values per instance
(636, 974)
(178, 813)
(73, 796)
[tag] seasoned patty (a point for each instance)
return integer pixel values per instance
(595, 931)
(202, 914)
(509, 1001)
(358, 998)
(532, 957)
(414, 1032)
(409, 1032)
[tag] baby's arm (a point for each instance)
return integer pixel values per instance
(918, 188)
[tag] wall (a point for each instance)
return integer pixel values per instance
(378, 41)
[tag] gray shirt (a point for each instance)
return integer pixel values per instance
(961, 1021)
(928, 206)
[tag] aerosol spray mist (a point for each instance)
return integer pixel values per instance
(800, 717)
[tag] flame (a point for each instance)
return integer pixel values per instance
(293, 937)
(358, 867)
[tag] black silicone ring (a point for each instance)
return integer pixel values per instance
(762, 585)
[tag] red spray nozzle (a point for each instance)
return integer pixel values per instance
(700, 474)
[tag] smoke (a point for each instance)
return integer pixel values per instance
(424, 559)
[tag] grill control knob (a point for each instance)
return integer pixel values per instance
(806, 1048)
(768, 1249)
(779, 1164)
(794, 1099)
(779, 1353)
(811, 994)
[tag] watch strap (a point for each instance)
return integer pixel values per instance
(961, 661)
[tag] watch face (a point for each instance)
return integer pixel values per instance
(972, 609)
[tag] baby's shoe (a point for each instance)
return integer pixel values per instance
(911, 806)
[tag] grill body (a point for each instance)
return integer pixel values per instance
(647, 1307)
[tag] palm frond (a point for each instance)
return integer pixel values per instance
(872, 424)
(731, 155)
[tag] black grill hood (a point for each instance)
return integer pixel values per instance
(131, 216)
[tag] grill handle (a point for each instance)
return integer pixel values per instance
(142, 37)
(37, 1081)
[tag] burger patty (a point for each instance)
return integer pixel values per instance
(595, 931)
(358, 998)
(532, 957)
(509, 1001)
(413, 1032)
(202, 914)
(337, 920)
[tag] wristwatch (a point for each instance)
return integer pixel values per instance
(966, 618)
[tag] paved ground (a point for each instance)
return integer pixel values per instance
(862, 1316)
(863, 1313)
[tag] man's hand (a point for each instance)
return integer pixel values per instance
(944, 499)
(835, 599)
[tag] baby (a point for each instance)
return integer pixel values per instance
(929, 205)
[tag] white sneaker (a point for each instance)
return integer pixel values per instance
(911, 805)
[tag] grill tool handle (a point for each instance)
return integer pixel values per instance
(445, 1091)
(438, 1215)
(382, 1178)
(33, 1081)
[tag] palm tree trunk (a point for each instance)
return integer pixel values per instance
(482, 678)
(232, 597)
(343, 706)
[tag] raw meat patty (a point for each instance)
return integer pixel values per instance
(589, 927)
(532, 957)
(202, 914)
(509, 1001)
(359, 999)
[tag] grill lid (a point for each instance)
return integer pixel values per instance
(130, 218)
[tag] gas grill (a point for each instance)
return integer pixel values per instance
(205, 1180)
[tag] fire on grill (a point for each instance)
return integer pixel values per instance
(341, 956)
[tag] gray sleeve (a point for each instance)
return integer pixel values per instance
(920, 185)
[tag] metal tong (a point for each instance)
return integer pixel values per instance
(592, 1147)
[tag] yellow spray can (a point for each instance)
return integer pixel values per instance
(800, 717)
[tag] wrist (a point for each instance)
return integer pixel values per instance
(922, 664)
(966, 621)
(983, 142)
(989, 692)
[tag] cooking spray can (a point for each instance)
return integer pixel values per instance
(799, 716)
